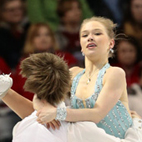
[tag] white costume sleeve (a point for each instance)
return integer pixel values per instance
(134, 134)
(89, 132)
(29, 130)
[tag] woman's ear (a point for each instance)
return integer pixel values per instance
(112, 43)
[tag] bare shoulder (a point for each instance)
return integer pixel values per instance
(115, 72)
(75, 70)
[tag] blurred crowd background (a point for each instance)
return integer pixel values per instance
(32, 26)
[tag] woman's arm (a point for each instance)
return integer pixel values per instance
(114, 85)
(20, 105)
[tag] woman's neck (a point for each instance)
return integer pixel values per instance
(92, 67)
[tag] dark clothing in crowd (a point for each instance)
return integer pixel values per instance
(11, 45)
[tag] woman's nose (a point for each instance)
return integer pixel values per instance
(90, 38)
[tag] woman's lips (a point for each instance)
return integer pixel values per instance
(91, 45)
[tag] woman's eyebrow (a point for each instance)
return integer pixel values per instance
(92, 30)
(97, 30)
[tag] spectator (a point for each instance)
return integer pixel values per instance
(45, 11)
(40, 38)
(132, 24)
(67, 35)
(128, 58)
(12, 35)
(12, 32)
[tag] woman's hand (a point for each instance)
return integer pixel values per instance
(38, 105)
(46, 114)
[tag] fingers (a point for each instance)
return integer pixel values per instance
(47, 125)
(52, 125)
(56, 124)
(134, 114)
(39, 121)
(39, 118)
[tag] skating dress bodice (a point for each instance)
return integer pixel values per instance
(117, 120)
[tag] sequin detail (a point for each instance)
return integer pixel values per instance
(118, 119)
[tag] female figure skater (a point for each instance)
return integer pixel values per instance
(99, 87)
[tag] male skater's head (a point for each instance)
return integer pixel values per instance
(47, 76)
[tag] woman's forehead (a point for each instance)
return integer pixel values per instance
(92, 25)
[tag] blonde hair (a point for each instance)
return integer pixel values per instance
(32, 32)
(47, 75)
(109, 25)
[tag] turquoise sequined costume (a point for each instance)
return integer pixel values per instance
(117, 120)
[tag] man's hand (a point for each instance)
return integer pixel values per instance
(135, 115)
(55, 124)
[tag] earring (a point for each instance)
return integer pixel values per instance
(111, 50)
(82, 54)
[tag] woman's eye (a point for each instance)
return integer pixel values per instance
(84, 35)
(98, 33)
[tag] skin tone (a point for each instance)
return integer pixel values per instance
(13, 12)
(42, 41)
(96, 56)
(38, 104)
(13, 99)
(136, 9)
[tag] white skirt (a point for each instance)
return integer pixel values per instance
(29, 130)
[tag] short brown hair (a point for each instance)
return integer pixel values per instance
(47, 76)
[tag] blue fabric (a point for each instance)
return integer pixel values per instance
(117, 120)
